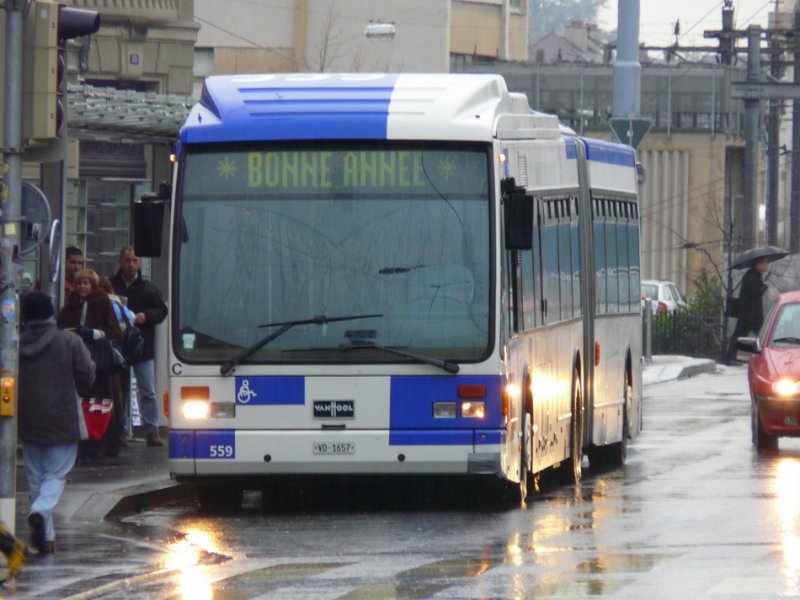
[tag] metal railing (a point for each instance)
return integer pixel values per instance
(681, 332)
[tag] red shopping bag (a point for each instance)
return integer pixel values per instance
(97, 414)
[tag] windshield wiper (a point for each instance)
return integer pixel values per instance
(228, 366)
(787, 340)
(445, 365)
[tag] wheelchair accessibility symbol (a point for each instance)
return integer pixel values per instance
(245, 394)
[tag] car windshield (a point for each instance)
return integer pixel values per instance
(650, 291)
(786, 331)
(279, 234)
(674, 293)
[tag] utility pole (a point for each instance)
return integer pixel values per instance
(626, 122)
(773, 138)
(746, 217)
(10, 223)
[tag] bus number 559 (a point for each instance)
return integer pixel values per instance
(220, 451)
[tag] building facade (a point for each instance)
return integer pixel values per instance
(692, 157)
(341, 35)
(141, 47)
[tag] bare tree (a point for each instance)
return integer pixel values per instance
(329, 46)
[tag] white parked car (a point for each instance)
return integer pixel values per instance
(664, 294)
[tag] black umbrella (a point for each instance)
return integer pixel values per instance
(749, 258)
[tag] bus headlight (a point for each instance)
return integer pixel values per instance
(474, 409)
(785, 388)
(444, 410)
(195, 409)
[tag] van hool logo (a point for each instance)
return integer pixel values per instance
(334, 409)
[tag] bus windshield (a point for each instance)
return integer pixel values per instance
(395, 237)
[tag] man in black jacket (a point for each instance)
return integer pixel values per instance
(144, 299)
(750, 309)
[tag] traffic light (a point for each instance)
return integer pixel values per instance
(47, 28)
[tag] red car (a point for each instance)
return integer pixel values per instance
(773, 373)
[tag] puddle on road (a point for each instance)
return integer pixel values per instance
(253, 583)
(622, 563)
(393, 592)
(560, 587)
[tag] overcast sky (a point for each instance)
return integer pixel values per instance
(658, 18)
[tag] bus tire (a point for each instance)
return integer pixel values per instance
(525, 477)
(572, 467)
(617, 453)
(220, 497)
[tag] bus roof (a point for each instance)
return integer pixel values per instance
(303, 106)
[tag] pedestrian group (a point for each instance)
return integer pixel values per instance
(70, 405)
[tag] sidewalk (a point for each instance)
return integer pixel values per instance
(136, 480)
(669, 367)
(94, 557)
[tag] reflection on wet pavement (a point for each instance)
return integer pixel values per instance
(695, 513)
(787, 489)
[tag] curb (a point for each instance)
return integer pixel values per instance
(692, 370)
(664, 373)
(133, 500)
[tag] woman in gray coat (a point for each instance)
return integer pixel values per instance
(54, 367)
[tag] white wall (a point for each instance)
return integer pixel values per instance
(420, 44)
(245, 23)
(335, 39)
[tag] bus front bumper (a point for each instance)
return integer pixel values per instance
(260, 452)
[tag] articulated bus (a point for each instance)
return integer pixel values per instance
(397, 275)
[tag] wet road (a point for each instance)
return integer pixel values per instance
(695, 513)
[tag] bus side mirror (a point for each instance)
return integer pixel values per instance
(518, 216)
(148, 221)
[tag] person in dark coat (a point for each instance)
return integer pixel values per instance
(144, 299)
(750, 309)
(100, 321)
(54, 367)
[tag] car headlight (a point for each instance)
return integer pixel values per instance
(786, 388)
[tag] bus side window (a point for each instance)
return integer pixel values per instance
(599, 259)
(530, 278)
(528, 298)
(633, 254)
(576, 263)
(551, 293)
(623, 262)
(565, 268)
(612, 284)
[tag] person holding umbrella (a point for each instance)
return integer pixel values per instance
(750, 311)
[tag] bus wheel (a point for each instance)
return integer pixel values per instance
(220, 497)
(617, 453)
(525, 477)
(572, 467)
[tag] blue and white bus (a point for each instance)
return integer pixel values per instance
(400, 275)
